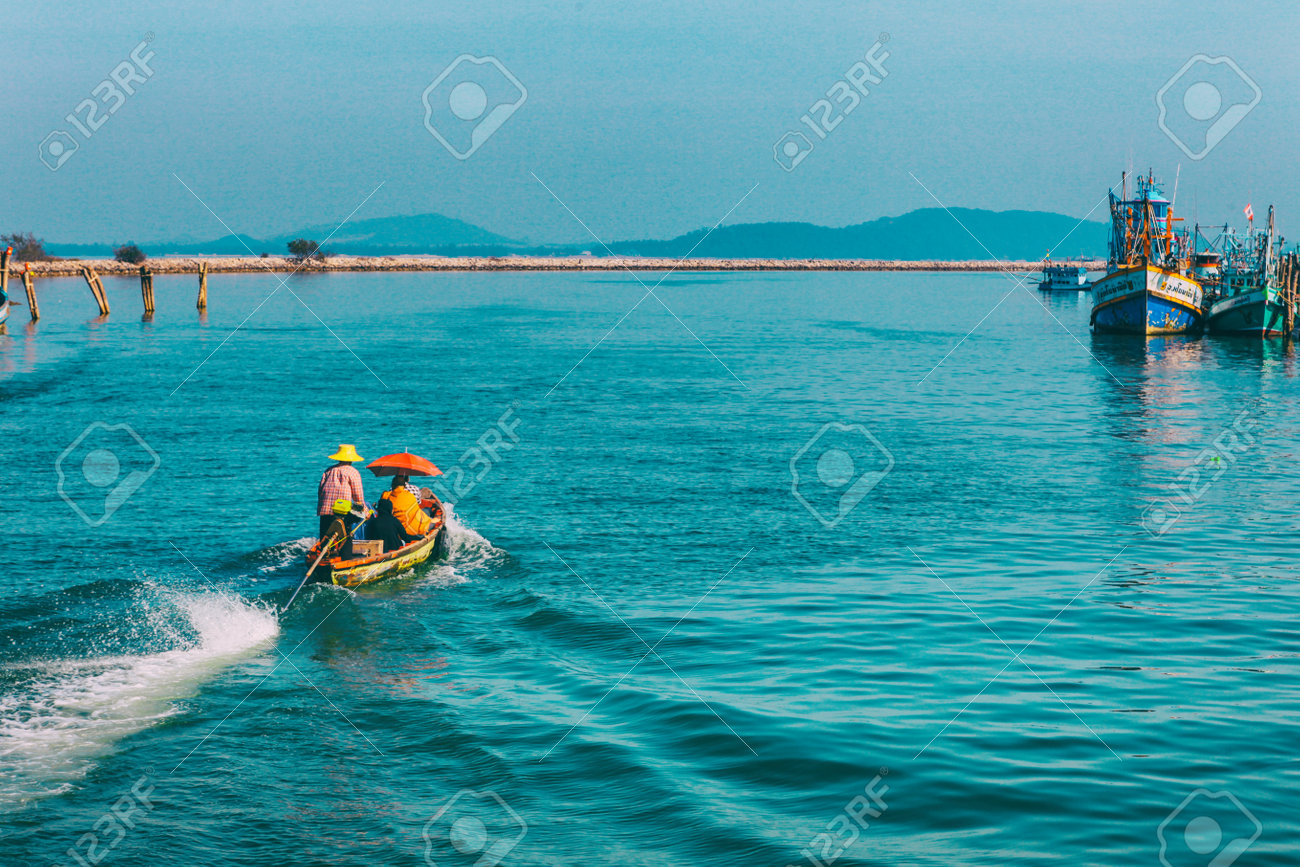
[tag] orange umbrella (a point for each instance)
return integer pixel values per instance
(403, 464)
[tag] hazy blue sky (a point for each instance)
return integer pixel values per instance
(648, 119)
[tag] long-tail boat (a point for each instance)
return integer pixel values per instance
(356, 571)
(324, 564)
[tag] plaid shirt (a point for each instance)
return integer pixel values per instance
(339, 482)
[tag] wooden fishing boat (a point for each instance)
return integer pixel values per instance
(1150, 286)
(1248, 298)
(367, 570)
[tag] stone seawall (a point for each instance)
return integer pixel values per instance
(281, 264)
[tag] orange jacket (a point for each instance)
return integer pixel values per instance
(406, 509)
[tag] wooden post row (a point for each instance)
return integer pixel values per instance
(203, 286)
(96, 288)
(4, 271)
(146, 289)
(30, 285)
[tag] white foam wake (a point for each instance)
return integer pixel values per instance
(463, 541)
(467, 550)
(55, 725)
(286, 554)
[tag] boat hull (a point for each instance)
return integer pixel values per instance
(1256, 313)
(1147, 300)
(4, 312)
(356, 573)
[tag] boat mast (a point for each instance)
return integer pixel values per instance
(1268, 249)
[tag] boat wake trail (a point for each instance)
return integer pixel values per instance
(467, 551)
(57, 717)
(285, 554)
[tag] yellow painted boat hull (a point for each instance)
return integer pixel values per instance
(357, 573)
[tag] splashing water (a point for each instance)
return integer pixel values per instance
(63, 715)
(467, 550)
(466, 547)
(285, 554)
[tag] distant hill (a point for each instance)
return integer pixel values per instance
(416, 234)
(928, 233)
(420, 233)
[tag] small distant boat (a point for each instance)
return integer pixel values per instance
(1246, 298)
(1150, 286)
(1063, 275)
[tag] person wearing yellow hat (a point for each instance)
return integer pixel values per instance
(342, 481)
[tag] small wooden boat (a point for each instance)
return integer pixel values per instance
(367, 570)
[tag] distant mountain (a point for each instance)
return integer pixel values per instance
(415, 233)
(928, 233)
(420, 233)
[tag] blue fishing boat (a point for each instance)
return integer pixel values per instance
(1150, 286)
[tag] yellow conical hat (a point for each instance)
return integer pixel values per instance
(347, 452)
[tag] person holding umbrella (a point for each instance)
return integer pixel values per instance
(401, 516)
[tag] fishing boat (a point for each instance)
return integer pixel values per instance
(1063, 275)
(1150, 286)
(327, 560)
(1247, 299)
(358, 571)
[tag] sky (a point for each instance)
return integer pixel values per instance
(630, 120)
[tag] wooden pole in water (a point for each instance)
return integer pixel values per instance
(30, 285)
(203, 286)
(146, 289)
(4, 271)
(96, 288)
(90, 281)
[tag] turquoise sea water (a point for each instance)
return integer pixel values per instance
(1029, 599)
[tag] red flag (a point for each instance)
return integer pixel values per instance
(1250, 213)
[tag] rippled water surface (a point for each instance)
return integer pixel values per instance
(1028, 599)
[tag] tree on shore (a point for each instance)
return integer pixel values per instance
(27, 247)
(301, 249)
(130, 254)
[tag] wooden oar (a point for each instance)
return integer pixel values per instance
(325, 549)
